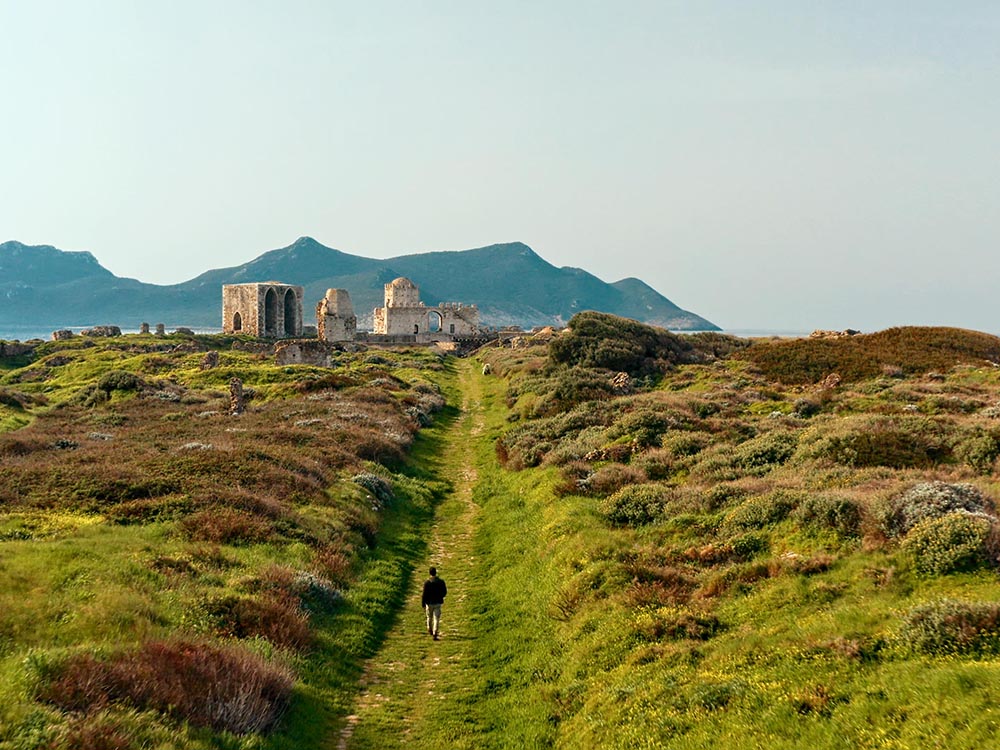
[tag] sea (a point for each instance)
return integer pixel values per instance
(28, 332)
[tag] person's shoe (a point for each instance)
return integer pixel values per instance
(435, 636)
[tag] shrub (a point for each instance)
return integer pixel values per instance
(934, 500)
(952, 543)
(979, 451)
(225, 526)
(635, 505)
(609, 479)
(644, 426)
(119, 380)
(222, 687)
(949, 626)
(333, 562)
(677, 625)
(898, 443)
(913, 349)
(834, 512)
(747, 546)
(766, 451)
(657, 463)
(806, 407)
(719, 495)
(603, 341)
(380, 489)
(760, 511)
(275, 616)
(686, 443)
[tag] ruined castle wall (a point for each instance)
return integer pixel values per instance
(335, 318)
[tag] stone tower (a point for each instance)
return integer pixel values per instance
(402, 293)
(268, 310)
(335, 318)
(405, 315)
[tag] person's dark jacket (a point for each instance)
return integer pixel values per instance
(434, 591)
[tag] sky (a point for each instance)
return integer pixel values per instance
(777, 164)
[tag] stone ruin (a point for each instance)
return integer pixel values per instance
(266, 310)
(335, 318)
(405, 315)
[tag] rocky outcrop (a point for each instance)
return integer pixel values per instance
(101, 331)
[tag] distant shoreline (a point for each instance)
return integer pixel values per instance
(27, 333)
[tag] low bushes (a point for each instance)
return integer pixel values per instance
(952, 543)
(275, 616)
(949, 626)
(929, 500)
(635, 504)
(895, 442)
(759, 512)
(222, 687)
(834, 512)
(766, 451)
(610, 479)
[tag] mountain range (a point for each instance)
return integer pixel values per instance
(44, 286)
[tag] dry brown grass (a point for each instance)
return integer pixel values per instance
(222, 687)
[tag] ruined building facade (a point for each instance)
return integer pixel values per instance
(267, 310)
(405, 315)
(335, 318)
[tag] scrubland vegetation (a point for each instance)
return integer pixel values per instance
(178, 577)
(734, 549)
(676, 542)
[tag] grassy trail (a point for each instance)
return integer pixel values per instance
(413, 680)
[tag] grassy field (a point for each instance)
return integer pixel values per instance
(650, 541)
(179, 577)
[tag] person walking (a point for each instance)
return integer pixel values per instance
(435, 591)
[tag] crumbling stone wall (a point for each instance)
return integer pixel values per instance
(304, 352)
(405, 315)
(265, 310)
(335, 318)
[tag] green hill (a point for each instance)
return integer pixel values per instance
(511, 284)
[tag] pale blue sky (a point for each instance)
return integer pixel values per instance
(772, 164)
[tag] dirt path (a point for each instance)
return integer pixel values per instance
(413, 679)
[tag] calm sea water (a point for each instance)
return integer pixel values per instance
(26, 333)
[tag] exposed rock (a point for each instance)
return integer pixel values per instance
(185, 331)
(62, 334)
(821, 334)
(210, 360)
(237, 399)
(622, 383)
(102, 331)
(830, 381)
(304, 352)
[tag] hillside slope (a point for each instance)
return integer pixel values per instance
(510, 282)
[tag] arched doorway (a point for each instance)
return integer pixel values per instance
(434, 322)
(237, 322)
(291, 312)
(271, 313)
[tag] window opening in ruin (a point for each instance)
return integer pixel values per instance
(416, 328)
(237, 322)
(290, 309)
(271, 314)
(434, 322)
(452, 328)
